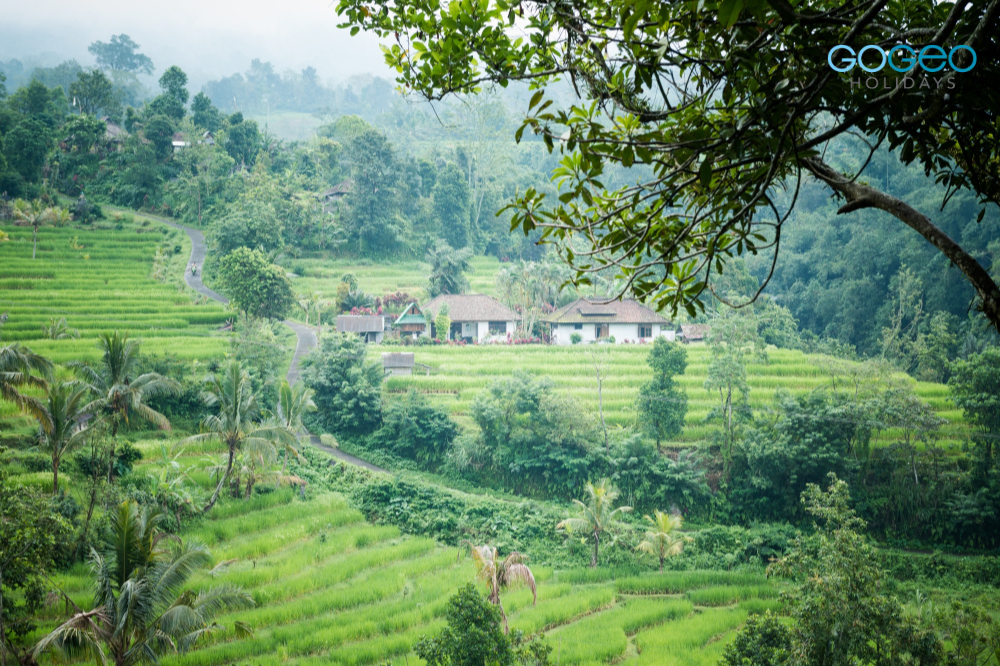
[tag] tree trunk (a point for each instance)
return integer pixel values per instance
(225, 477)
(34, 241)
(55, 475)
(661, 563)
(860, 196)
(597, 543)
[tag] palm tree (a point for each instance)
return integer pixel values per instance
(17, 365)
(34, 215)
(57, 329)
(236, 422)
(141, 609)
(293, 403)
(597, 516)
(662, 539)
(118, 395)
(502, 574)
(448, 268)
(62, 427)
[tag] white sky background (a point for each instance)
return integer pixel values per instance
(206, 38)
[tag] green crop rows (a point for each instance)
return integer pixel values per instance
(99, 279)
(333, 589)
(459, 373)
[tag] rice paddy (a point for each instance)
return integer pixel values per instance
(332, 589)
(101, 278)
(458, 374)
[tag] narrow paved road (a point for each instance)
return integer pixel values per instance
(306, 335)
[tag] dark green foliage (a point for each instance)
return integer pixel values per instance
(243, 141)
(373, 224)
(663, 404)
(204, 114)
(842, 609)
(474, 637)
(813, 436)
(159, 130)
(451, 205)
(531, 439)
(762, 641)
(348, 386)
(173, 83)
(254, 285)
(412, 428)
(25, 147)
(31, 534)
(975, 388)
(250, 224)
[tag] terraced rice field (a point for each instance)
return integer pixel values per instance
(378, 278)
(100, 279)
(333, 589)
(459, 373)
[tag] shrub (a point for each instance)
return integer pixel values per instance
(575, 338)
(763, 641)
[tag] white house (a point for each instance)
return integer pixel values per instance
(474, 317)
(625, 321)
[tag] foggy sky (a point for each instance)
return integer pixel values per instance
(206, 38)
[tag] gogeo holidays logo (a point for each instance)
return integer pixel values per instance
(901, 59)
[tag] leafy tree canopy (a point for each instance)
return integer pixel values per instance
(122, 54)
(723, 103)
(254, 285)
(348, 386)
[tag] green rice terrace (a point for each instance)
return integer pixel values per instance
(106, 277)
(457, 374)
(332, 589)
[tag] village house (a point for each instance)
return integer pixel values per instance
(474, 317)
(371, 328)
(397, 364)
(694, 332)
(412, 322)
(625, 321)
(332, 197)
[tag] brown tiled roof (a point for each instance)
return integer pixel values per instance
(695, 331)
(397, 360)
(338, 190)
(470, 307)
(625, 311)
(360, 323)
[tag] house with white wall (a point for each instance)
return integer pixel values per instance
(474, 317)
(594, 321)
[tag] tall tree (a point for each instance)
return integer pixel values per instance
(119, 395)
(451, 205)
(237, 421)
(663, 539)
(372, 221)
(598, 515)
(720, 139)
(121, 54)
(662, 403)
(448, 268)
(141, 607)
(93, 92)
(62, 426)
(20, 367)
(975, 389)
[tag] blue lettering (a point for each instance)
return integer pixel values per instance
(924, 55)
(911, 60)
(849, 62)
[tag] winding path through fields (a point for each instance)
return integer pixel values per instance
(306, 336)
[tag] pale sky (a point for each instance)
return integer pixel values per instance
(206, 38)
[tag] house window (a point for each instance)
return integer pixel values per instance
(578, 327)
(498, 328)
(645, 331)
